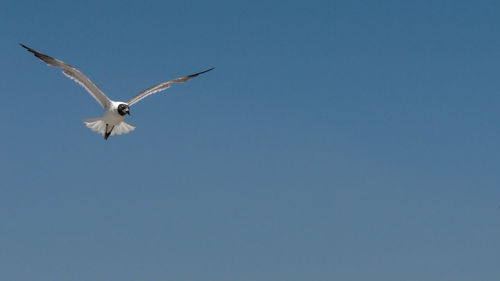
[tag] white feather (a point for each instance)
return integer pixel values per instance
(122, 128)
(99, 126)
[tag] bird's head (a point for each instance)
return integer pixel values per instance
(123, 109)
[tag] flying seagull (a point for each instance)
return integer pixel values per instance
(112, 122)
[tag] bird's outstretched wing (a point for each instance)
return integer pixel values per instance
(163, 86)
(75, 75)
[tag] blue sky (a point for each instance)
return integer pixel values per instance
(335, 140)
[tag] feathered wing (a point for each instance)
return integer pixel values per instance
(99, 126)
(163, 86)
(75, 75)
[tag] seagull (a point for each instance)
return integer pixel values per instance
(112, 122)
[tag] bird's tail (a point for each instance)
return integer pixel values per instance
(99, 126)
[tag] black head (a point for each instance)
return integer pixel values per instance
(123, 109)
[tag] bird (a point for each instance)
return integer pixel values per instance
(112, 122)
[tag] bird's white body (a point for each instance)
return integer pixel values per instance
(111, 114)
(111, 122)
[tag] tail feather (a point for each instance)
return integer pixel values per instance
(96, 124)
(99, 126)
(122, 128)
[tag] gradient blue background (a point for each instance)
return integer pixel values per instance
(335, 140)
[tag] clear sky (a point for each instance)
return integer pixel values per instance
(335, 140)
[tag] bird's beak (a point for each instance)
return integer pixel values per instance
(128, 112)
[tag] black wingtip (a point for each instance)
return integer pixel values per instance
(196, 74)
(207, 70)
(28, 48)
